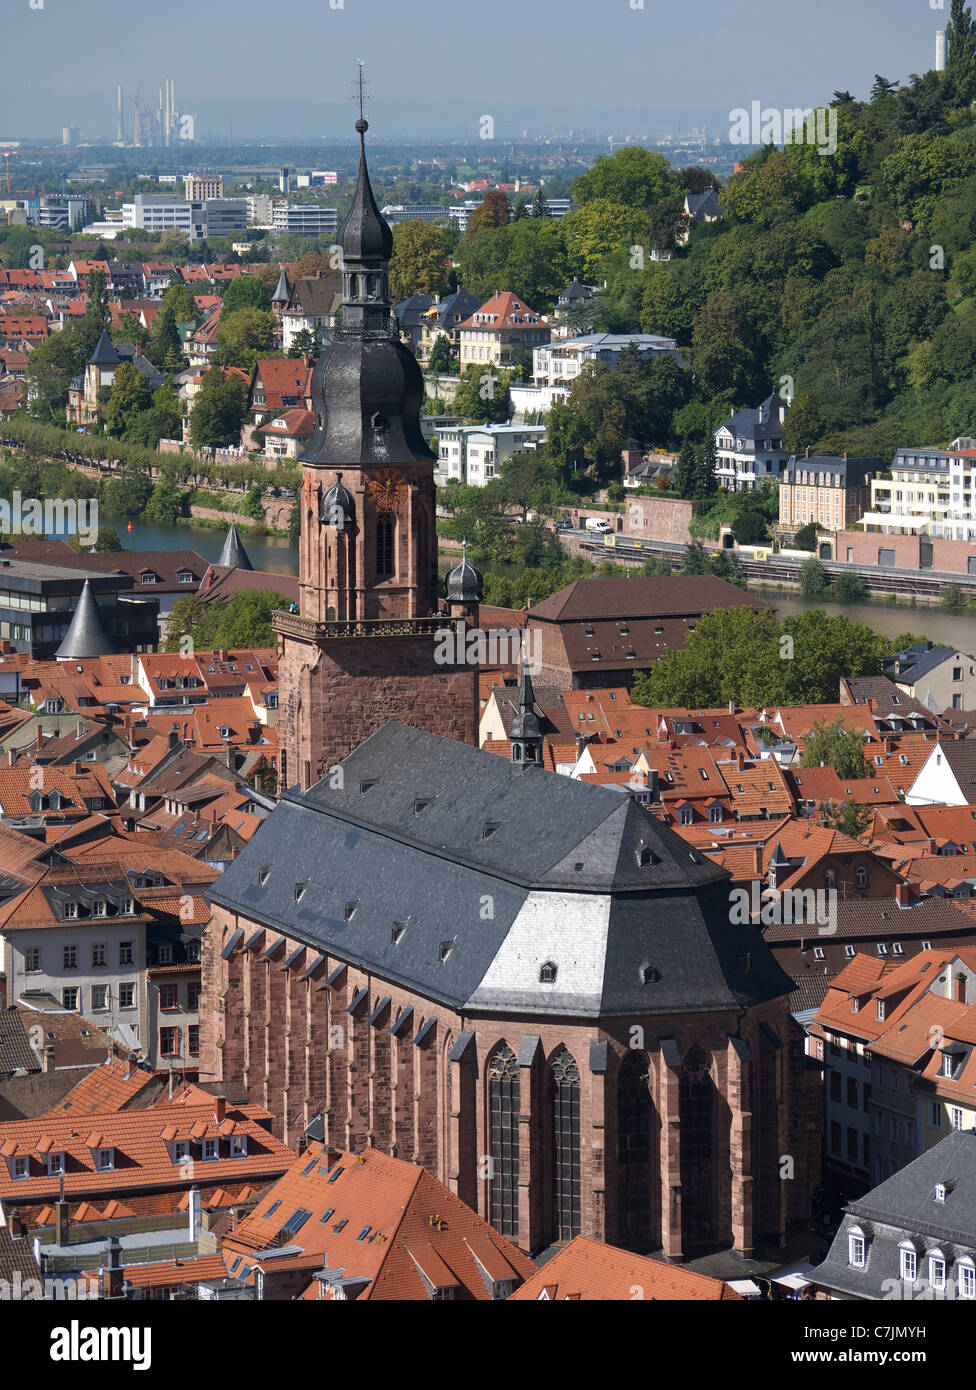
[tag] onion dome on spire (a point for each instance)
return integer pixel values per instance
(464, 582)
(365, 235)
(338, 506)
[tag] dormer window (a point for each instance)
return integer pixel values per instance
(547, 973)
(19, 1169)
(445, 951)
(181, 1151)
(209, 1150)
(105, 1160)
(879, 1010)
(940, 1192)
(238, 1146)
(55, 1165)
(264, 873)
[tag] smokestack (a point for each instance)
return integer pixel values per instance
(119, 132)
(16, 1224)
(940, 50)
(61, 1233)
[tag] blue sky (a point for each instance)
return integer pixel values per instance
(439, 64)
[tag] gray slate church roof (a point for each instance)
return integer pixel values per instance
(496, 871)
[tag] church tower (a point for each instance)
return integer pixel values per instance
(367, 642)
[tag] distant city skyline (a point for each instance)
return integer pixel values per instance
(437, 69)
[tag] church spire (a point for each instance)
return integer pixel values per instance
(367, 245)
(526, 738)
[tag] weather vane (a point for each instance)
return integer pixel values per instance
(361, 92)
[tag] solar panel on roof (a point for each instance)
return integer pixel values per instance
(272, 1209)
(325, 1216)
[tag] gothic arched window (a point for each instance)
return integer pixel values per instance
(385, 551)
(503, 1142)
(564, 1103)
(634, 1152)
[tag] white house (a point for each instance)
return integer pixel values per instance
(475, 453)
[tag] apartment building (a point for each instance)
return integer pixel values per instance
(306, 219)
(198, 187)
(197, 218)
(831, 492)
(414, 212)
(915, 500)
(557, 365)
(474, 454)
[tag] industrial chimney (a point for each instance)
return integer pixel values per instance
(940, 50)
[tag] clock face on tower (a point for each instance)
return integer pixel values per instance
(387, 490)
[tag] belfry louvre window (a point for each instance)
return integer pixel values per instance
(503, 1112)
(564, 1101)
(385, 536)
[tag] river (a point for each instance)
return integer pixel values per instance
(278, 555)
(273, 553)
(927, 620)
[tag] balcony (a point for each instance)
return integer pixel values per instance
(307, 630)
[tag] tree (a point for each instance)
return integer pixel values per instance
(245, 336)
(683, 478)
(419, 261)
(848, 588)
(720, 357)
(960, 69)
(834, 745)
(167, 349)
(165, 504)
(521, 209)
(804, 423)
(482, 394)
(591, 232)
(303, 344)
(246, 292)
(540, 206)
(131, 331)
(130, 397)
(219, 410)
(440, 361)
(749, 528)
(705, 483)
(179, 299)
(96, 300)
(882, 88)
(107, 542)
(806, 537)
(126, 494)
(633, 176)
(813, 577)
(493, 212)
(243, 621)
(851, 819)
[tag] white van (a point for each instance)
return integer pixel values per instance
(596, 523)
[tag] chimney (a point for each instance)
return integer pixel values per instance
(16, 1225)
(193, 1213)
(11, 756)
(134, 669)
(731, 707)
(808, 451)
(62, 1233)
(906, 894)
(174, 736)
(331, 1156)
(49, 1057)
(220, 1109)
(3, 990)
(172, 1083)
(111, 1274)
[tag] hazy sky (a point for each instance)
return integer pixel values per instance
(239, 59)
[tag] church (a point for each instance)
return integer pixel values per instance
(524, 983)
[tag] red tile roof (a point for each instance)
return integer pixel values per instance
(589, 1271)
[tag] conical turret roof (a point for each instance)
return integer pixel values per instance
(233, 554)
(282, 292)
(87, 635)
(104, 354)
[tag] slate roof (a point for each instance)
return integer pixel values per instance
(559, 862)
(904, 1206)
(105, 354)
(910, 665)
(233, 555)
(757, 423)
(86, 635)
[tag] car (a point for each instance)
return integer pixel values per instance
(597, 523)
(563, 526)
